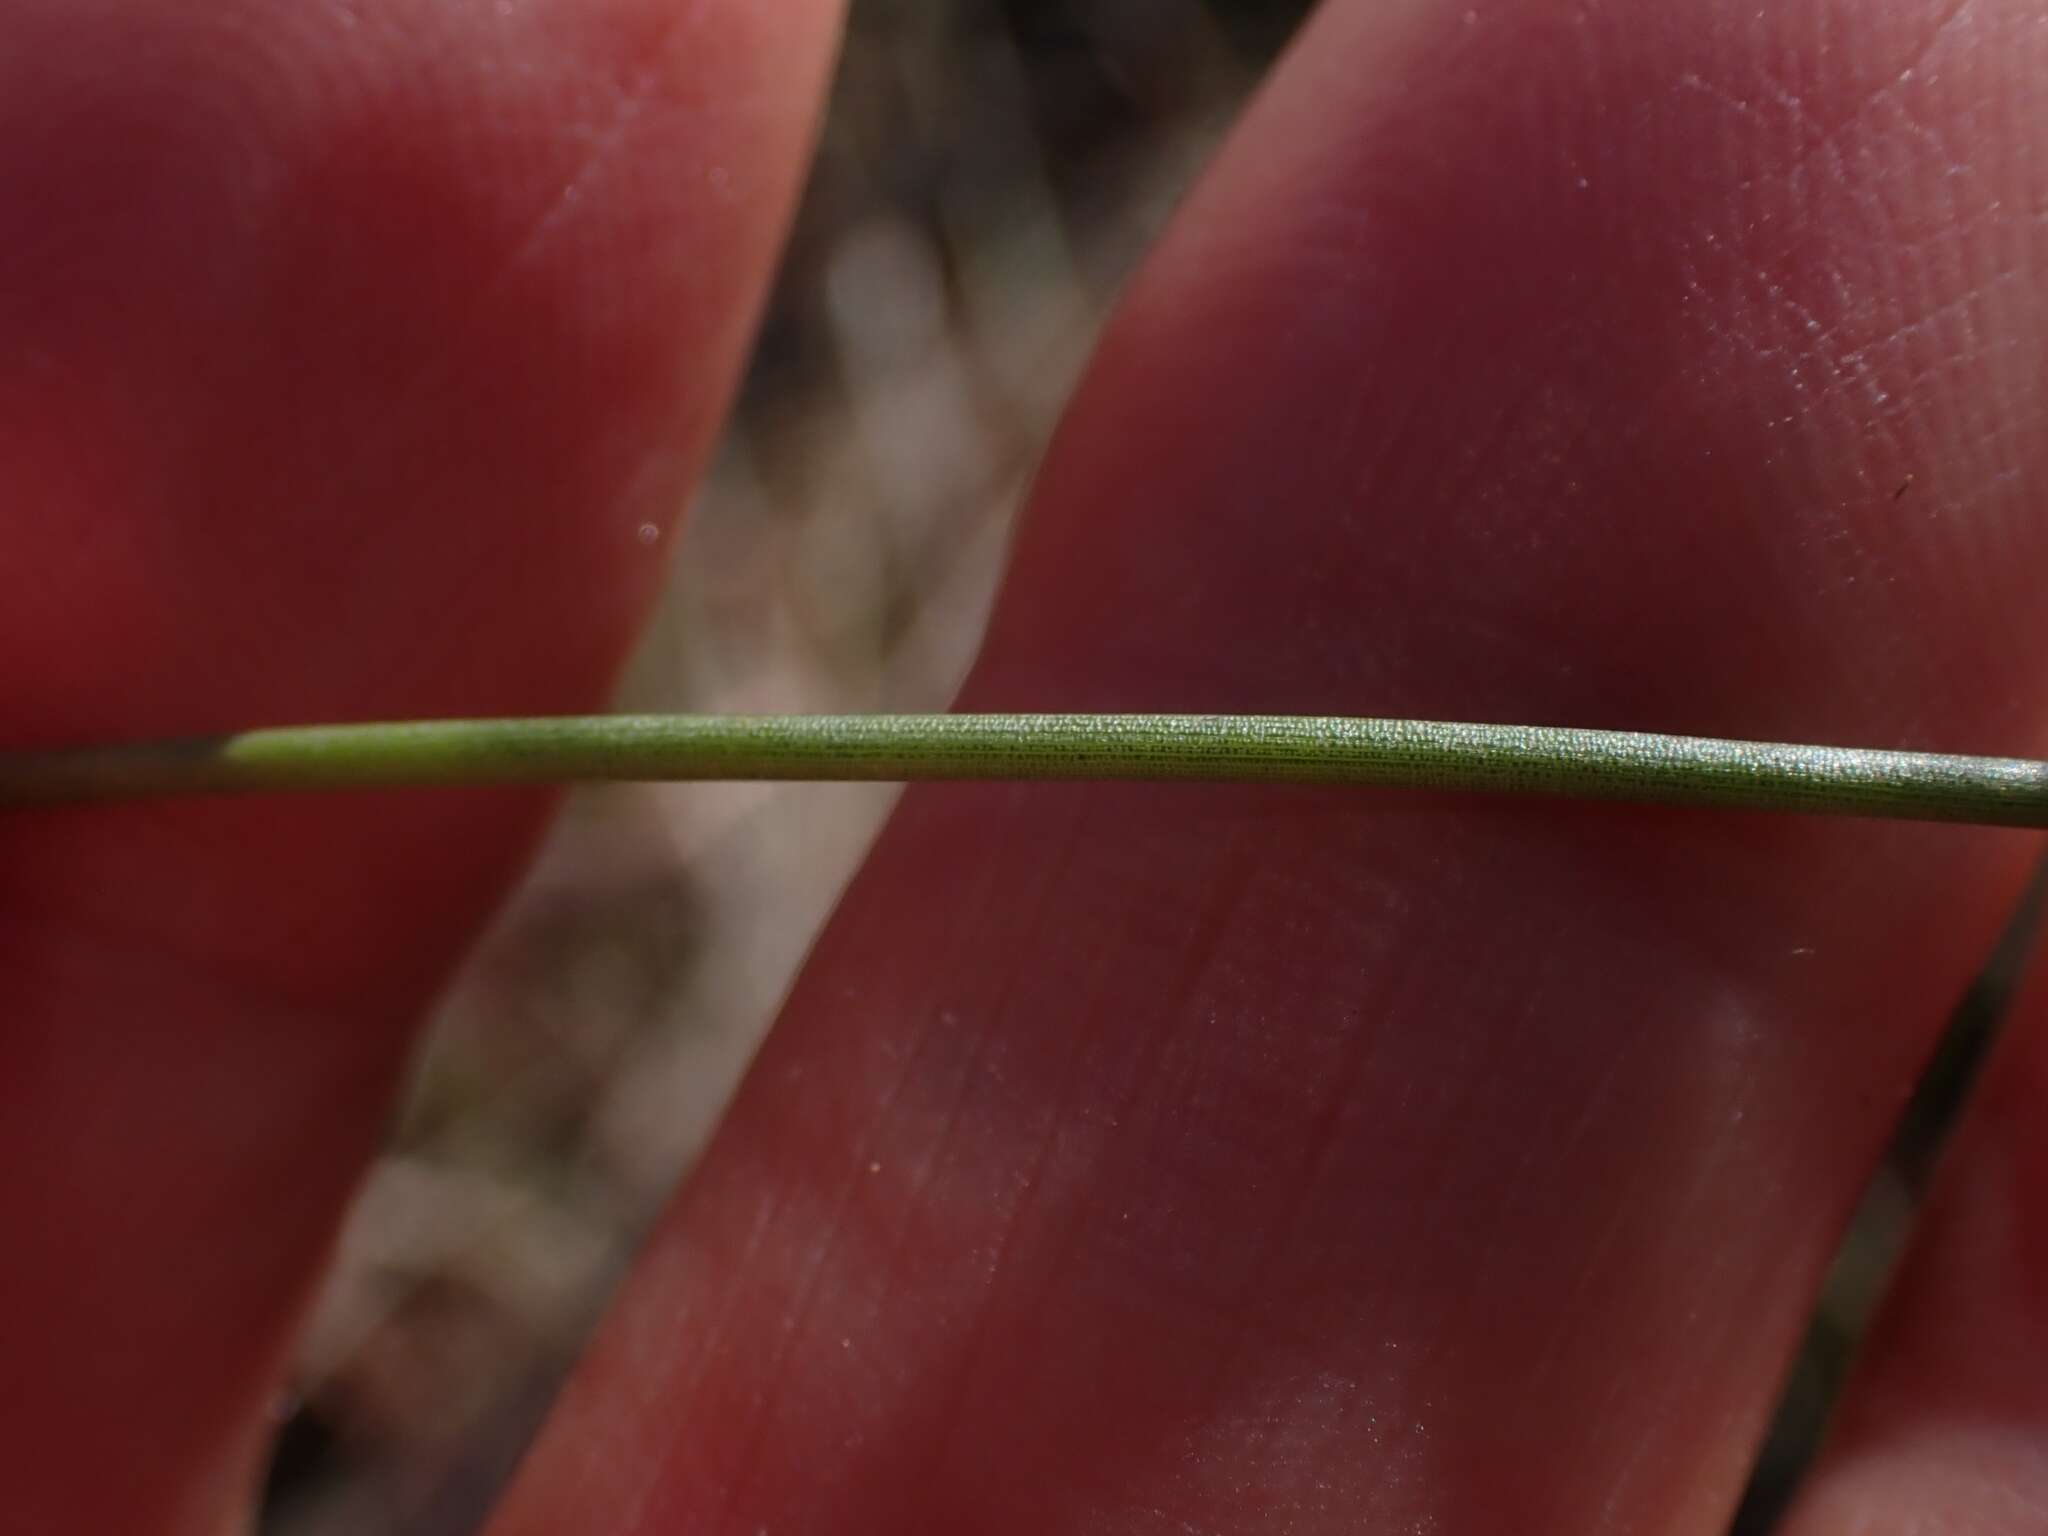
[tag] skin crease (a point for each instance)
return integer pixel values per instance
(1125, 1159)
(344, 348)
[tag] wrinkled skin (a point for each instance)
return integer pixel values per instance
(1125, 1159)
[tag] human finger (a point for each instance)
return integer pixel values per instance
(356, 358)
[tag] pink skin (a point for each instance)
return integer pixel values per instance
(1125, 1159)
(318, 397)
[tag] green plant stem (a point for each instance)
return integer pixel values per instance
(1262, 749)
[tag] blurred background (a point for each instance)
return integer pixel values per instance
(990, 171)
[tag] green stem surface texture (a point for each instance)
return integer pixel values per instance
(1262, 749)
